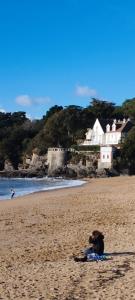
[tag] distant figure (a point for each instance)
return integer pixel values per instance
(97, 249)
(12, 193)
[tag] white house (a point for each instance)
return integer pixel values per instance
(107, 132)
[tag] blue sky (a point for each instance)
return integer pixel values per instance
(65, 52)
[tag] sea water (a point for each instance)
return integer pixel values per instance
(24, 186)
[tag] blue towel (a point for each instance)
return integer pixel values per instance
(95, 257)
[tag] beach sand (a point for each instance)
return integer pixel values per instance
(40, 232)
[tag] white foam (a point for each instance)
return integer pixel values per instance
(56, 183)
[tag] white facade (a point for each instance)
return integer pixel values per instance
(106, 157)
(95, 135)
(106, 154)
(112, 138)
(111, 134)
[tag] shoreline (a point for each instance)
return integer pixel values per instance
(40, 232)
(73, 183)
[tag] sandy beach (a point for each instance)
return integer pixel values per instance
(40, 232)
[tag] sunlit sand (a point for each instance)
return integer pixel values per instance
(39, 234)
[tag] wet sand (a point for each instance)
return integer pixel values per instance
(40, 232)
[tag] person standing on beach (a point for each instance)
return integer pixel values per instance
(12, 193)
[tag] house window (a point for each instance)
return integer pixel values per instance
(103, 156)
(107, 155)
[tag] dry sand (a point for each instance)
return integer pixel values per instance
(40, 232)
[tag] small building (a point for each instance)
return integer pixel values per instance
(106, 157)
(56, 158)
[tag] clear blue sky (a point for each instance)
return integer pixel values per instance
(65, 51)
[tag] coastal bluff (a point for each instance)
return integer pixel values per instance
(58, 162)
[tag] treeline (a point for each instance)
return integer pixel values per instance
(60, 126)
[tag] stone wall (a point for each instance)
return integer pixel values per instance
(56, 158)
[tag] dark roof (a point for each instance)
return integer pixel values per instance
(120, 126)
(104, 123)
(125, 127)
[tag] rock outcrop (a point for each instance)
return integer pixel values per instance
(54, 165)
(8, 167)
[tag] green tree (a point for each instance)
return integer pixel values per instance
(71, 116)
(118, 113)
(102, 109)
(53, 134)
(54, 109)
(128, 108)
(18, 118)
(128, 151)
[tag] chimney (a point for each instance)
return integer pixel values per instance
(107, 128)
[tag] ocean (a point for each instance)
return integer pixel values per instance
(24, 186)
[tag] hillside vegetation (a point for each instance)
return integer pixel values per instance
(63, 126)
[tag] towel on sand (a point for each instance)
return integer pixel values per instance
(95, 256)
